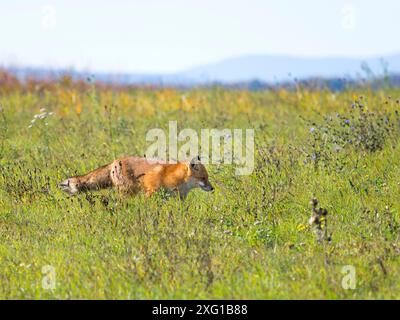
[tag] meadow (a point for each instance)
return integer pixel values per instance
(251, 239)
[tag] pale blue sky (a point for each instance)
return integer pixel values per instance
(172, 35)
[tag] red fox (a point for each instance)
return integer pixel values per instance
(132, 174)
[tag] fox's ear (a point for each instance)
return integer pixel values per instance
(194, 162)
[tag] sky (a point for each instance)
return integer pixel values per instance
(166, 36)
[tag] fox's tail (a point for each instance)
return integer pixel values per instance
(94, 180)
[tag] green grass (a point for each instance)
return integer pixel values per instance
(248, 240)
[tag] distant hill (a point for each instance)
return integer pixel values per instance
(263, 68)
(283, 68)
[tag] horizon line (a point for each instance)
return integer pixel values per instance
(67, 67)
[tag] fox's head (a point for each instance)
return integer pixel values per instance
(199, 175)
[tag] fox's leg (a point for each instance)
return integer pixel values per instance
(150, 184)
(95, 180)
(149, 187)
(150, 191)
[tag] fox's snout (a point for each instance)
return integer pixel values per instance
(206, 187)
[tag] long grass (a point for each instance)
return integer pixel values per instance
(251, 239)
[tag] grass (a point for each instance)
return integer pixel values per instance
(248, 240)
